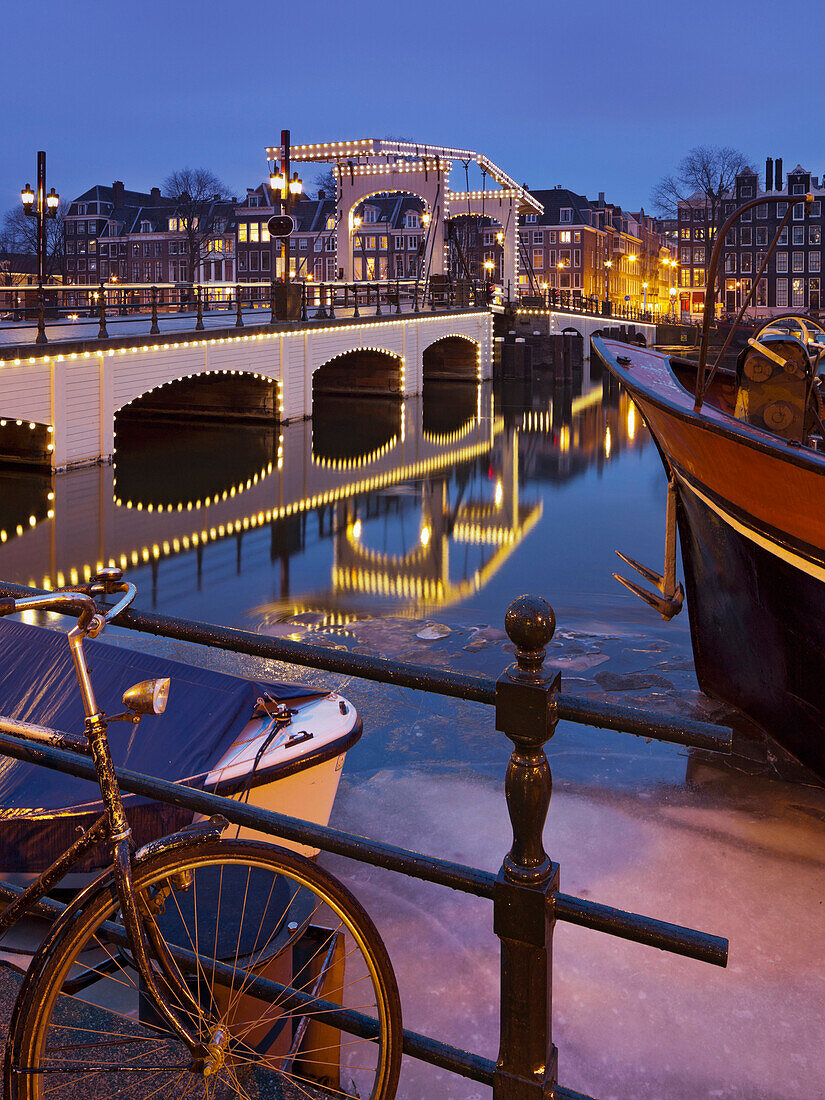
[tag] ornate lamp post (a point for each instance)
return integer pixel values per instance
(289, 188)
(42, 207)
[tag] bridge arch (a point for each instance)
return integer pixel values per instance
(454, 357)
(210, 394)
(363, 371)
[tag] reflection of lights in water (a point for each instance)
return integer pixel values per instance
(499, 493)
(631, 422)
(564, 439)
(426, 531)
(356, 529)
(607, 443)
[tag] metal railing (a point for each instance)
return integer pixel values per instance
(50, 307)
(571, 301)
(527, 903)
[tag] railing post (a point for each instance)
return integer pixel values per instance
(378, 301)
(526, 1068)
(238, 307)
(415, 298)
(355, 312)
(199, 322)
(41, 337)
(303, 300)
(331, 310)
(101, 307)
(397, 296)
(155, 328)
(272, 317)
(321, 313)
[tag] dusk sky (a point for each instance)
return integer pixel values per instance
(598, 96)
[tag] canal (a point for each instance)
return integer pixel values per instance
(406, 530)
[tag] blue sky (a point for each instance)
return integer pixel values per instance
(597, 96)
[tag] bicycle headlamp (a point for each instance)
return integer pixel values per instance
(148, 697)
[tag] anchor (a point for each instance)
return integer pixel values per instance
(672, 597)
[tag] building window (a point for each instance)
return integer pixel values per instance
(566, 214)
(814, 234)
(564, 238)
(538, 257)
(698, 255)
(411, 221)
(370, 215)
(698, 215)
(730, 239)
(814, 259)
(745, 237)
(684, 276)
(538, 237)
(783, 236)
(747, 262)
(798, 292)
(781, 211)
(551, 258)
(746, 193)
(531, 219)
(318, 244)
(798, 261)
(383, 244)
(761, 234)
(815, 209)
(798, 211)
(797, 189)
(762, 293)
(265, 261)
(577, 257)
(398, 242)
(684, 255)
(684, 215)
(730, 262)
(577, 236)
(254, 261)
(813, 293)
(331, 243)
(698, 276)
(331, 221)
(551, 236)
(782, 265)
(799, 234)
(747, 215)
(254, 231)
(761, 210)
(412, 242)
(782, 292)
(243, 232)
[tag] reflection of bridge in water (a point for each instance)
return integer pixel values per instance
(373, 506)
(102, 515)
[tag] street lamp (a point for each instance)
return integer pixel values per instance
(40, 206)
(673, 292)
(644, 297)
(288, 189)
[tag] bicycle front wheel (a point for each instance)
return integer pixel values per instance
(266, 957)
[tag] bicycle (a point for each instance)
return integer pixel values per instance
(195, 966)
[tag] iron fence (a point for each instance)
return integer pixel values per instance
(205, 305)
(571, 301)
(527, 903)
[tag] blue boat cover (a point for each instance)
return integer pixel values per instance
(40, 809)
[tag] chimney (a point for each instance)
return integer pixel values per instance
(769, 174)
(155, 194)
(601, 197)
(777, 182)
(117, 194)
(321, 196)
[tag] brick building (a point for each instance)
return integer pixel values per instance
(593, 248)
(119, 236)
(792, 279)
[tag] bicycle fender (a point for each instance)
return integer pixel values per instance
(191, 836)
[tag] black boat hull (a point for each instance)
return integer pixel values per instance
(757, 620)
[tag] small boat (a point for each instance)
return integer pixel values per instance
(743, 451)
(280, 746)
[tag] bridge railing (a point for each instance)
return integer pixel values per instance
(527, 902)
(202, 305)
(571, 301)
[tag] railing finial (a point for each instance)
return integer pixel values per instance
(530, 623)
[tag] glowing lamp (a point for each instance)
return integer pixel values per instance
(295, 185)
(52, 201)
(27, 197)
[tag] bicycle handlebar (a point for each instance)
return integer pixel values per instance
(77, 601)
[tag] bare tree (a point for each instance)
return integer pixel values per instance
(325, 181)
(19, 235)
(707, 170)
(200, 199)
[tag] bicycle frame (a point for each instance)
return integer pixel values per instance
(112, 825)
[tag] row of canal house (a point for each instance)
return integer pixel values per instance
(793, 277)
(586, 247)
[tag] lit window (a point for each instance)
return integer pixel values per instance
(242, 231)
(564, 238)
(538, 257)
(798, 261)
(331, 222)
(254, 231)
(782, 265)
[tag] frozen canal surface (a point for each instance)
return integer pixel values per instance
(732, 846)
